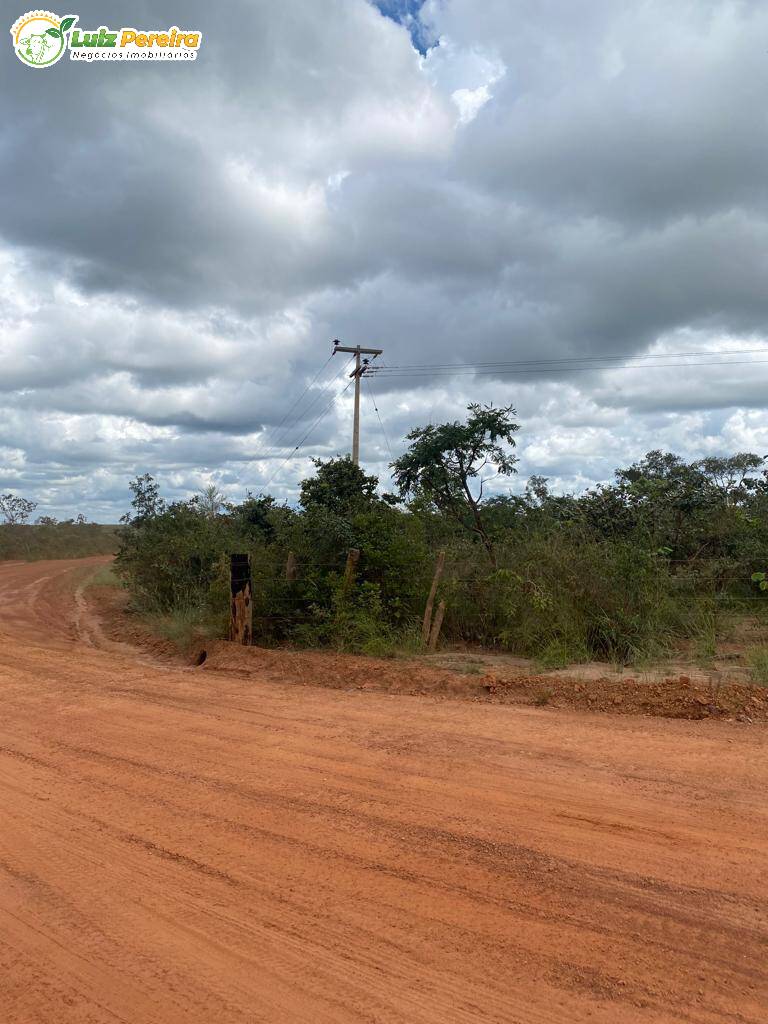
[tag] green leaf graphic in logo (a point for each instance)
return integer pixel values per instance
(41, 44)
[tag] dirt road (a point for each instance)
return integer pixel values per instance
(188, 846)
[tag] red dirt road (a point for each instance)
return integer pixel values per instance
(191, 846)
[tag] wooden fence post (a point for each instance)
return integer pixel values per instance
(427, 623)
(291, 567)
(436, 626)
(241, 604)
(353, 557)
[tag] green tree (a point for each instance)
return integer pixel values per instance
(339, 486)
(146, 501)
(211, 501)
(733, 475)
(445, 462)
(256, 515)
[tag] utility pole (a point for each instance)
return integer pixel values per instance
(361, 365)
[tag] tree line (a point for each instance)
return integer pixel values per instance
(625, 571)
(47, 536)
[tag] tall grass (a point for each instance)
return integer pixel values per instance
(757, 659)
(187, 627)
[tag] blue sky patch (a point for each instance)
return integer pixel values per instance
(407, 13)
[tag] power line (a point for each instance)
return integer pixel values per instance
(470, 370)
(265, 450)
(323, 391)
(300, 398)
(579, 359)
(288, 457)
(318, 396)
(375, 406)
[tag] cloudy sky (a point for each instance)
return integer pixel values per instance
(458, 182)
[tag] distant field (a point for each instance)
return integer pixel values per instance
(59, 540)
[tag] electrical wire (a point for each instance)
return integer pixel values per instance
(476, 370)
(301, 396)
(277, 443)
(378, 416)
(584, 359)
(264, 450)
(293, 451)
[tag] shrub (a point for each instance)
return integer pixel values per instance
(623, 573)
(757, 659)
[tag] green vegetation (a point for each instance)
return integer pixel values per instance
(50, 539)
(625, 573)
(104, 577)
(186, 627)
(757, 659)
(443, 463)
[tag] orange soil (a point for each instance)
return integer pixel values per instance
(199, 845)
(686, 692)
(675, 697)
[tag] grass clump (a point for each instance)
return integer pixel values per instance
(186, 627)
(104, 577)
(559, 653)
(757, 659)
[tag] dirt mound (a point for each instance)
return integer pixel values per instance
(339, 671)
(677, 697)
(507, 681)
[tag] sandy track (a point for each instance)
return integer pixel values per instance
(186, 846)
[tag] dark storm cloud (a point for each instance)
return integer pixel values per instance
(203, 183)
(642, 116)
(181, 242)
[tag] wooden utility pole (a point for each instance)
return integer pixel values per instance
(361, 365)
(241, 605)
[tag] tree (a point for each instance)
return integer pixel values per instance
(339, 486)
(146, 501)
(732, 475)
(211, 501)
(444, 463)
(15, 509)
(256, 515)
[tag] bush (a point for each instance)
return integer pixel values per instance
(571, 597)
(623, 573)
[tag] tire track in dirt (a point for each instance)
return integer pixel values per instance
(179, 845)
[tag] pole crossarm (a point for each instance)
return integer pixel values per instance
(358, 348)
(358, 351)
